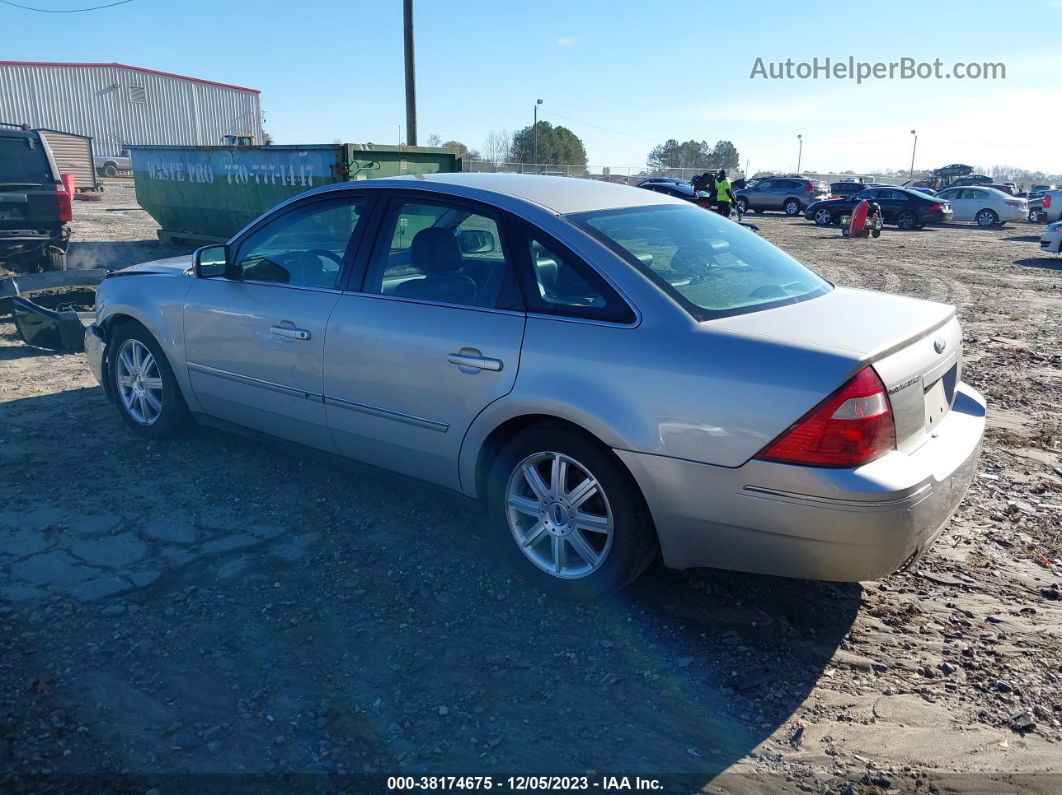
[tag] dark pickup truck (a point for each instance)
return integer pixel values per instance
(35, 209)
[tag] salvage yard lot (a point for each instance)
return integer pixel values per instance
(215, 605)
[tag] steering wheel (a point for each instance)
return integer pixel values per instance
(323, 252)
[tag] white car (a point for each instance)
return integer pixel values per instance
(1051, 241)
(984, 206)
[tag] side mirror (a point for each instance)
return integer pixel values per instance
(211, 261)
(476, 241)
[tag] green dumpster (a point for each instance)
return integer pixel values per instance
(203, 194)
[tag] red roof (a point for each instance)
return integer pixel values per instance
(134, 68)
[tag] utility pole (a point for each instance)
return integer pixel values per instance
(800, 151)
(914, 147)
(534, 133)
(411, 76)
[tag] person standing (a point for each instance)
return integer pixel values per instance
(724, 194)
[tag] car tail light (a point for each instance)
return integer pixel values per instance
(66, 210)
(1014, 204)
(810, 187)
(851, 427)
(936, 208)
(1047, 200)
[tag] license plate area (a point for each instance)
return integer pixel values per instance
(937, 403)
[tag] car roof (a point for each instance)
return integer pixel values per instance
(559, 195)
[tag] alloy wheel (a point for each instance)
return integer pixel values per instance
(559, 515)
(139, 382)
(823, 217)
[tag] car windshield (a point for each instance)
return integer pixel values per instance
(711, 266)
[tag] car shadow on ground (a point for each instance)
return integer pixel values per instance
(1024, 238)
(213, 605)
(87, 254)
(1053, 262)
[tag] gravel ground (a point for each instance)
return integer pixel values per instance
(212, 605)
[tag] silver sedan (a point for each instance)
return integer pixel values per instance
(613, 373)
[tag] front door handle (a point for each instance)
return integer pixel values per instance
(290, 332)
(474, 360)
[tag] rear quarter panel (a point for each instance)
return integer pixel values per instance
(694, 393)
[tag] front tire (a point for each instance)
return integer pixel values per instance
(791, 207)
(110, 170)
(986, 218)
(569, 514)
(145, 390)
(823, 217)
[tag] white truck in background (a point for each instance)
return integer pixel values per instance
(110, 165)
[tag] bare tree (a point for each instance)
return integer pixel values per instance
(434, 140)
(497, 147)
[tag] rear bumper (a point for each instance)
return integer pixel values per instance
(29, 248)
(811, 522)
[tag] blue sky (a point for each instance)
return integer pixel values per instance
(643, 71)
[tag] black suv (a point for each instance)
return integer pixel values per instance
(35, 209)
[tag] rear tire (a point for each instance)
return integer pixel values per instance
(792, 207)
(986, 218)
(742, 205)
(54, 260)
(906, 220)
(110, 170)
(583, 529)
(145, 390)
(823, 217)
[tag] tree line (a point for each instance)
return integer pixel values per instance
(546, 144)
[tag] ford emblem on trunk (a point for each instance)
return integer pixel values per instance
(939, 344)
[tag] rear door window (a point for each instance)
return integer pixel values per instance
(443, 253)
(23, 162)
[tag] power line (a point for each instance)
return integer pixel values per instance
(64, 10)
(597, 126)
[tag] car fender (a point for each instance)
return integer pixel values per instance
(156, 301)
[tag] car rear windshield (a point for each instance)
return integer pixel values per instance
(23, 162)
(711, 266)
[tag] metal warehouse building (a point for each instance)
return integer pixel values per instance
(119, 105)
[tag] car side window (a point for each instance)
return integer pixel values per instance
(863, 194)
(974, 194)
(560, 283)
(303, 247)
(447, 253)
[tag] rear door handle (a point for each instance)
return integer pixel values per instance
(290, 332)
(475, 361)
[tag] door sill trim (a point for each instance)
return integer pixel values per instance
(246, 379)
(375, 411)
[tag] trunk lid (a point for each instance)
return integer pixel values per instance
(914, 345)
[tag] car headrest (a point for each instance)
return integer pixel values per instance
(435, 251)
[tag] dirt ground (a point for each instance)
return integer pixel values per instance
(214, 606)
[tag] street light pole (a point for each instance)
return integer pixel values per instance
(914, 147)
(534, 132)
(800, 151)
(411, 77)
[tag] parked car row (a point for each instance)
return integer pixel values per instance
(905, 207)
